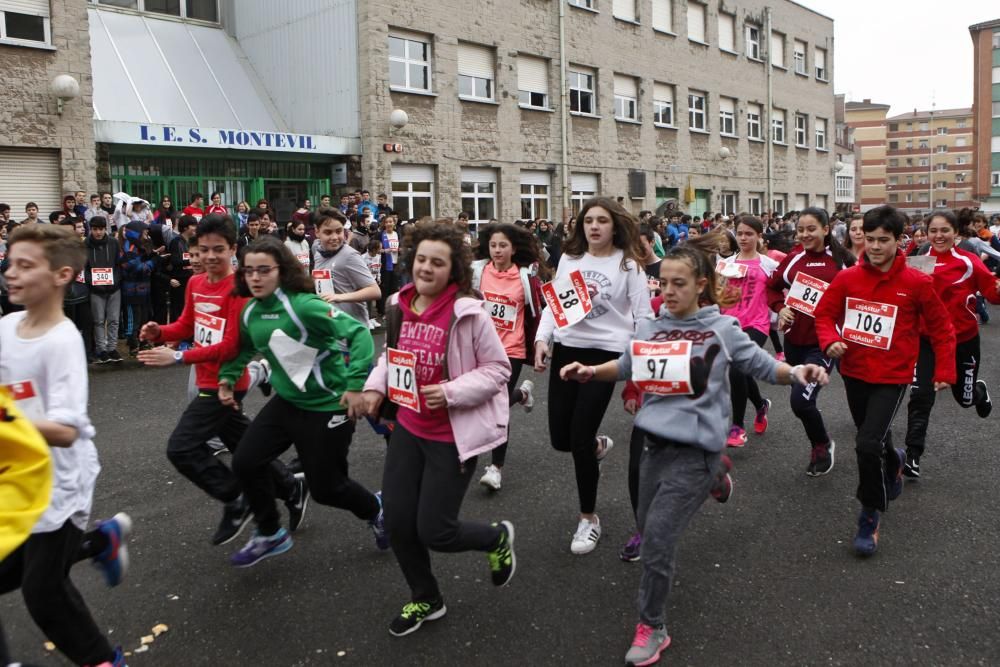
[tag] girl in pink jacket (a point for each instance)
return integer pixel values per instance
(444, 372)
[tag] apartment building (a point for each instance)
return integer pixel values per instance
(847, 189)
(986, 106)
(866, 119)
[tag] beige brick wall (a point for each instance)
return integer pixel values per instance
(28, 116)
(450, 133)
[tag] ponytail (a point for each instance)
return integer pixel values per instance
(697, 252)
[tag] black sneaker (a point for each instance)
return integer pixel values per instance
(502, 559)
(821, 461)
(985, 406)
(103, 358)
(911, 468)
(297, 503)
(413, 616)
(114, 356)
(235, 517)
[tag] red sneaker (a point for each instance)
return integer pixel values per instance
(760, 420)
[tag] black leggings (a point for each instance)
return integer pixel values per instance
(514, 396)
(776, 340)
(873, 407)
(575, 414)
(744, 386)
(922, 394)
(803, 397)
(636, 442)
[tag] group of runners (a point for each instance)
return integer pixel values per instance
(686, 332)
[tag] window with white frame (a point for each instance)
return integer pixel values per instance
(923, 196)
(893, 162)
(727, 32)
(924, 162)
(995, 179)
(960, 159)
(586, 4)
(996, 110)
(820, 60)
(996, 40)
(942, 130)
(663, 104)
(623, 9)
(996, 74)
(845, 187)
(799, 57)
(995, 144)
(894, 180)
(777, 126)
(753, 121)
(25, 22)
(909, 197)
(479, 194)
(727, 116)
(697, 104)
(582, 187)
(476, 72)
(729, 202)
(960, 178)
(778, 205)
(820, 134)
(535, 194)
(801, 202)
(940, 185)
(663, 15)
(696, 21)
(924, 126)
(778, 49)
(626, 98)
(581, 91)
(753, 41)
(924, 143)
(940, 166)
(412, 190)
(533, 82)
(801, 129)
(940, 149)
(201, 10)
(821, 202)
(754, 202)
(960, 122)
(409, 61)
(941, 202)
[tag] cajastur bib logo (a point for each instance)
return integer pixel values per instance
(701, 367)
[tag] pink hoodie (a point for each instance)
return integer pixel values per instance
(476, 391)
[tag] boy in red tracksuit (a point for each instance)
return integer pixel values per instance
(878, 306)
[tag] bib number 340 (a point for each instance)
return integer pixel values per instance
(568, 298)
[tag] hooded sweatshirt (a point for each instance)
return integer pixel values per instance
(702, 418)
(103, 254)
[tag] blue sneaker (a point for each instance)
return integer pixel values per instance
(113, 561)
(894, 486)
(260, 547)
(378, 526)
(866, 541)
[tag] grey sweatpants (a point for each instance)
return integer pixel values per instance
(106, 309)
(674, 480)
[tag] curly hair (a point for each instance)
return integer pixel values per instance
(526, 245)
(625, 235)
(445, 232)
(292, 277)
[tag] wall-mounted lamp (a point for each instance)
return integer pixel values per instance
(398, 118)
(64, 88)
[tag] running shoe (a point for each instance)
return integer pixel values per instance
(113, 561)
(297, 503)
(894, 485)
(372, 325)
(491, 479)
(378, 526)
(866, 540)
(737, 437)
(604, 446)
(235, 517)
(413, 616)
(985, 406)
(723, 489)
(586, 537)
(118, 660)
(502, 560)
(780, 356)
(630, 552)
(648, 644)
(260, 547)
(911, 468)
(114, 356)
(528, 402)
(760, 419)
(265, 384)
(102, 357)
(821, 459)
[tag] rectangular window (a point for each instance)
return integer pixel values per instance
(894, 180)
(777, 49)
(25, 21)
(203, 10)
(941, 185)
(727, 116)
(960, 159)
(924, 144)
(727, 32)
(623, 9)
(754, 202)
(995, 145)
(753, 121)
(586, 4)
(996, 75)
(535, 195)
(581, 91)
(799, 57)
(412, 190)
(778, 207)
(479, 194)
(940, 149)
(820, 134)
(533, 81)
(941, 202)
(996, 40)
(960, 141)
(582, 187)
(909, 196)
(923, 162)
(996, 110)
(940, 166)
(409, 62)
(663, 15)
(753, 42)
(845, 187)
(476, 71)
(696, 21)
(696, 110)
(942, 130)
(663, 104)
(960, 178)
(626, 98)
(995, 179)
(777, 126)
(169, 7)
(729, 203)
(893, 198)
(801, 130)
(893, 145)
(909, 145)
(894, 127)
(820, 59)
(960, 122)
(923, 127)
(924, 196)
(894, 162)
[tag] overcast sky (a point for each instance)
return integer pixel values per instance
(906, 53)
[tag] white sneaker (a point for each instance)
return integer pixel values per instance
(587, 535)
(372, 325)
(604, 445)
(491, 480)
(529, 399)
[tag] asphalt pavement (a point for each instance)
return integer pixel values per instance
(766, 579)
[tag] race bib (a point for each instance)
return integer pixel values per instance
(394, 244)
(731, 269)
(403, 379)
(80, 278)
(805, 293)
(208, 329)
(102, 277)
(653, 284)
(869, 323)
(185, 257)
(27, 399)
(502, 310)
(568, 298)
(323, 281)
(662, 368)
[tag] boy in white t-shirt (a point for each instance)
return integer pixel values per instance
(43, 363)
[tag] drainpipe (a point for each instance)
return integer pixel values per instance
(563, 109)
(768, 72)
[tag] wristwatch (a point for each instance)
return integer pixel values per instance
(178, 357)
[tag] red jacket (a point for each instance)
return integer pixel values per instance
(958, 275)
(913, 296)
(820, 265)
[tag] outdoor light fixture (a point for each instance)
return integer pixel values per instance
(64, 88)
(398, 118)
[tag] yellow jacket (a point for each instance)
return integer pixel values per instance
(25, 475)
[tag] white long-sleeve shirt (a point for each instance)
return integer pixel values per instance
(620, 299)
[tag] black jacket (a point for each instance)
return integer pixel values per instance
(103, 254)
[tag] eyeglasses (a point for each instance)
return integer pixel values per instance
(262, 271)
